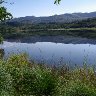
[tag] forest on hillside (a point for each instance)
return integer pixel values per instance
(84, 28)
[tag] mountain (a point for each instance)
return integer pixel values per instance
(64, 18)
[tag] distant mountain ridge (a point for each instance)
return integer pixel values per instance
(64, 18)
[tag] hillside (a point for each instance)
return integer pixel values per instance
(85, 28)
(64, 18)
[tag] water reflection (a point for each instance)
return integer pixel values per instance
(53, 49)
(53, 53)
(54, 39)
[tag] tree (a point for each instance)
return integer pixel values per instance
(3, 12)
(57, 1)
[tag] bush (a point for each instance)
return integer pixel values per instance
(37, 82)
(80, 89)
(19, 77)
(28, 79)
(5, 81)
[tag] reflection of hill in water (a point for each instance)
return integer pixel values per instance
(55, 39)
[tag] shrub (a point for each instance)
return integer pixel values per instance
(5, 81)
(80, 89)
(28, 79)
(19, 77)
(37, 82)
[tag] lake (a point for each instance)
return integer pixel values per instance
(55, 50)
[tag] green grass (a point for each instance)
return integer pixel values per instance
(78, 32)
(20, 77)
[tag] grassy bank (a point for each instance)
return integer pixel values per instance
(84, 28)
(77, 32)
(9, 31)
(20, 77)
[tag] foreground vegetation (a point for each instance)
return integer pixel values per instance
(20, 77)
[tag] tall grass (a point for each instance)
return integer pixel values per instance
(20, 77)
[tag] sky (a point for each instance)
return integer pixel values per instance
(22, 8)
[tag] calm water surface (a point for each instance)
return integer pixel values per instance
(53, 53)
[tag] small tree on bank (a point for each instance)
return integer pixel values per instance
(4, 15)
(3, 12)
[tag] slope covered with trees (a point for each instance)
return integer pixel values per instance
(64, 18)
(84, 28)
